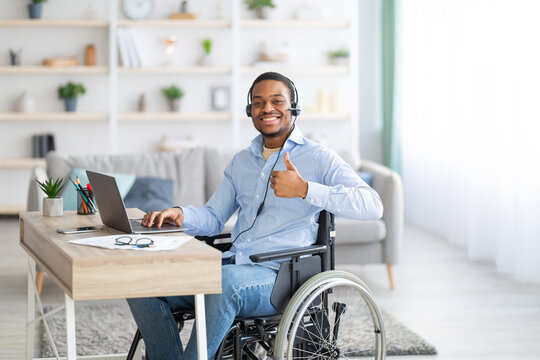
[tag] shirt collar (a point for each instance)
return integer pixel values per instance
(296, 138)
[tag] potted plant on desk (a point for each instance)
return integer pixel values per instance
(35, 8)
(69, 93)
(173, 93)
(53, 205)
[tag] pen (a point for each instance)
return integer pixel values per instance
(81, 193)
(89, 189)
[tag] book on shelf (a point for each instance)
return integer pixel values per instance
(42, 144)
(129, 54)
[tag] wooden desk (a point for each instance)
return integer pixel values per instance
(90, 273)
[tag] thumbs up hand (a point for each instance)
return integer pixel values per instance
(288, 183)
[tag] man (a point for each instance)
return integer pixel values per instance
(278, 185)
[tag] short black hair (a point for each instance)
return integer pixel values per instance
(270, 75)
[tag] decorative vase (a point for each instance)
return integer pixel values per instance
(174, 105)
(70, 104)
(53, 206)
(25, 103)
(15, 57)
(34, 10)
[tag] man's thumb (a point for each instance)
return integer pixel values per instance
(288, 163)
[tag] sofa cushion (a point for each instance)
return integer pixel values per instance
(356, 231)
(150, 194)
(366, 176)
(186, 168)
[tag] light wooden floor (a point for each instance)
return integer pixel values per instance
(465, 309)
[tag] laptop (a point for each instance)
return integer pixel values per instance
(113, 211)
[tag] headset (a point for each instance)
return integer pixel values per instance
(294, 109)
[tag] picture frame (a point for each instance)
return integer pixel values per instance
(221, 98)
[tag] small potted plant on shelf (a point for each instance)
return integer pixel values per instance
(53, 205)
(35, 8)
(69, 93)
(207, 47)
(339, 57)
(261, 7)
(173, 94)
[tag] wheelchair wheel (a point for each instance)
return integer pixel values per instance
(332, 316)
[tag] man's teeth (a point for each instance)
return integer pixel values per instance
(270, 119)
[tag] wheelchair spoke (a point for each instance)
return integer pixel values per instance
(335, 319)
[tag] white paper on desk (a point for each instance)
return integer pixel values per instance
(160, 242)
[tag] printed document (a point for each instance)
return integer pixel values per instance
(160, 243)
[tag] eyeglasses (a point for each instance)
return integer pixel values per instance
(141, 242)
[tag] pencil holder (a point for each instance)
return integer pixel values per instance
(86, 203)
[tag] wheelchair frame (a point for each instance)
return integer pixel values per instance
(301, 292)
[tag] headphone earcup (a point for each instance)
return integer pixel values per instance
(295, 109)
(248, 110)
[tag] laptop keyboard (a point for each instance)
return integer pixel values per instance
(137, 227)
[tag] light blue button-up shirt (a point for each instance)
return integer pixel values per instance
(283, 223)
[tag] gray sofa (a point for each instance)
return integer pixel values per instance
(197, 172)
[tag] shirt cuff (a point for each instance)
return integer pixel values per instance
(317, 194)
(189, 216)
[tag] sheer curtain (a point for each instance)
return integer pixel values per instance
(468, 100)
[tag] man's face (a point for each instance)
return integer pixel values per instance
(269, 103)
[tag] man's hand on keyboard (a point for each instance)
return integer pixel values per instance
(156, 218)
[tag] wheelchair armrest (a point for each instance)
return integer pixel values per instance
(216, 242)
(211, 239)
(282, 254)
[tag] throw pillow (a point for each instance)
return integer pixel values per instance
(366, 176)
(124, 182)
(150, 194)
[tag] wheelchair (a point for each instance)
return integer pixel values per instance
(325, 313)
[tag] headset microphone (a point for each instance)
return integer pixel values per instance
(295, 111)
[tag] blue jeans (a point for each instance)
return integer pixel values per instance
(246, 291)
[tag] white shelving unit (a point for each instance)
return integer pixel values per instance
(233, 69)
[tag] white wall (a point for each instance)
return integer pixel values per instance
(308, 46)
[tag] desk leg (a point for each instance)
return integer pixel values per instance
(200, 322)
(70, 327)
(31, 309)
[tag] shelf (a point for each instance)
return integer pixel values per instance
(296, 23)
(38, 69)
(53, 23)
(21, 163)
(176, 23)
(198, 70)
(323, 70)
(12, 209)
(175, 116)
(53, 116)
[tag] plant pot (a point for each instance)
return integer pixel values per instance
(205, 60)
(340, 61)
(262, 13)
(174, 105)
(53, 206)
(34, 10)
(70, 104)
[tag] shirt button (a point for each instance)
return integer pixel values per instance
(248, 240)
(257, 196)
(239, 253)
(262, 174)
